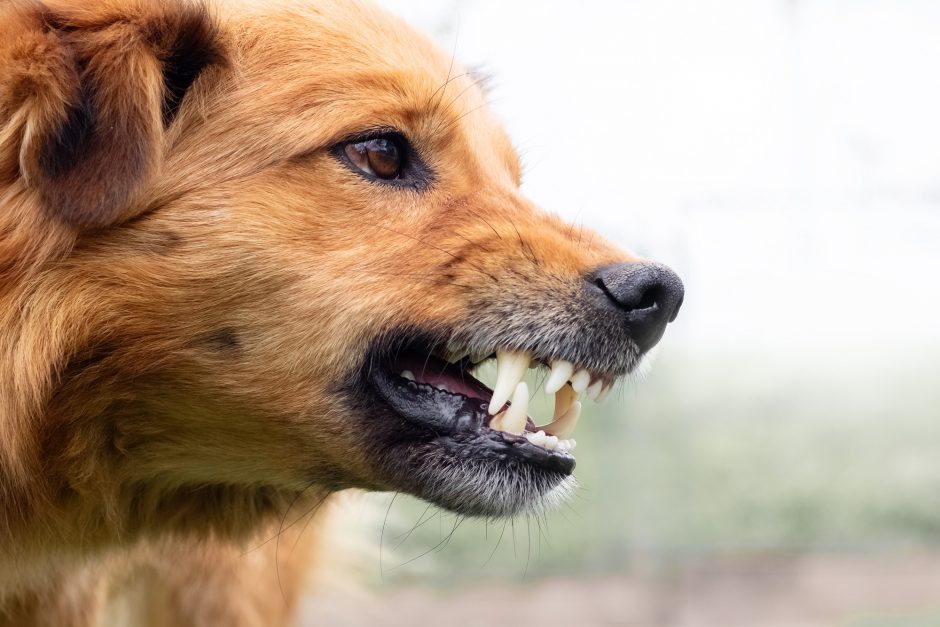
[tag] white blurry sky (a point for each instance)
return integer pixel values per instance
(782, 155)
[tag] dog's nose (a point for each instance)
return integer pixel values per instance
(648, 295)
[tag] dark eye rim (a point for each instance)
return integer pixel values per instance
(413, 174)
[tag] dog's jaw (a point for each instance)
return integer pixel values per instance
(433, 430)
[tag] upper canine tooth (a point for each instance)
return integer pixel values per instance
(581, 380)
(564, 399)
(515, 418)
(561, 372)
(594, 390)
(511, 366)
(564, 426)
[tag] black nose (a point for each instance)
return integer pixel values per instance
(647, 294)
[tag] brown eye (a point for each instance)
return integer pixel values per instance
(380, 157)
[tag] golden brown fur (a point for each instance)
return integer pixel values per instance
(187, 272)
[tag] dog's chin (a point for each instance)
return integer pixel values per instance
(431, 432)
(468, 476)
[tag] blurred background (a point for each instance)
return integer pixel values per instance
(780, 464)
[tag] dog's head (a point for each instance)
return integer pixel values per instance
(284, 237)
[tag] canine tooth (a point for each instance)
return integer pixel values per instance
(594, 390)
(537, 438)
(564, 399)
(581, 380)
(605, 392)
(551, 443)
(514, 418)
(561, 372)
(564, 426)
(511, 366)
(407, 374)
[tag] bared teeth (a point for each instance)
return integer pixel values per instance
(564, 380)
(538, 438)
(594, 390)
(564, 399)
(580, 381)
(407, 374)
(561, 372)
(563, 427)
(511, 366)
(514, 419)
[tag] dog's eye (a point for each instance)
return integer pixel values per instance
(384, 156)
(380, 157)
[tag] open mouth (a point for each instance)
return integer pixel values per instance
(437, 391)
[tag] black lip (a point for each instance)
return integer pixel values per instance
(459, 423)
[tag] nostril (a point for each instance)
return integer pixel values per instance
(649, 299)
(648, 294)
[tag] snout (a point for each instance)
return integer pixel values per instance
(646, 296)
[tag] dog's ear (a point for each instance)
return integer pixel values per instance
(87, 92)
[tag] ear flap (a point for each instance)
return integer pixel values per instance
(96, 88)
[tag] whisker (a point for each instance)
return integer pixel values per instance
(382, 536)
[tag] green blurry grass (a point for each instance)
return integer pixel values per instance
(715, 455)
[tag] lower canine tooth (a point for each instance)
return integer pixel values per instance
(515, 418)
(564, 399)
(564, 426)
(407, 374)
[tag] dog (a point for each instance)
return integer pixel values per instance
(250, 256)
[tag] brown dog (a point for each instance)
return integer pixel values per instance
(249, 255)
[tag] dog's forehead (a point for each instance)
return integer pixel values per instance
(347, 35)
(328, 69)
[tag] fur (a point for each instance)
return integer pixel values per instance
(188, 275)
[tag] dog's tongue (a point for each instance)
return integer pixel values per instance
(442, 375)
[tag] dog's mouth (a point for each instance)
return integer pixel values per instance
(446, 398)
(452, 420)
